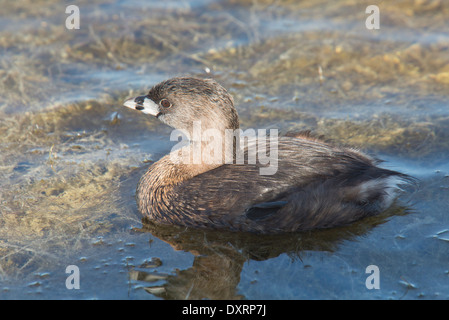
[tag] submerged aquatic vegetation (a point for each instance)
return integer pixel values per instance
(71, 156)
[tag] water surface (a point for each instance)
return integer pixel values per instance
(71, 155)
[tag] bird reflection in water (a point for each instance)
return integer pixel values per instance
(219, 256)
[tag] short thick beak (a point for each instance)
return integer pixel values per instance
(144, 104)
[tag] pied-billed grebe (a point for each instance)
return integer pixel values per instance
(315, 184)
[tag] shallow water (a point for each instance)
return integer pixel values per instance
(71, 155)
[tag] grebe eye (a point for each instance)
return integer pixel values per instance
(165, 103)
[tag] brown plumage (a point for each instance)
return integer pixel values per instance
(316, 185)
